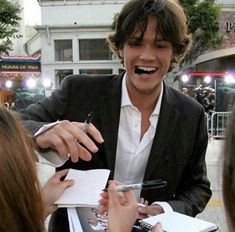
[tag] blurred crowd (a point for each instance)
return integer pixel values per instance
(204, 95)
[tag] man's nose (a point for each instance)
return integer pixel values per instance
(147, 53)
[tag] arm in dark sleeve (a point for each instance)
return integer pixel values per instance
(194, 189)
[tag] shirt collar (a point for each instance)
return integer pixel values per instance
(157, 108)
(127, 102)
(125, 96)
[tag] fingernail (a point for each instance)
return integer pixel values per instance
(75, 160)
(95, 149)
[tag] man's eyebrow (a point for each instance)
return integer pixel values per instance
(160, 39)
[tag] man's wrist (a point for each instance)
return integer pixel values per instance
(155, 209)
(45, 128)
(151, 210)
(164, 205)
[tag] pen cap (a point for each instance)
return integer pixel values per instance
(89, 117)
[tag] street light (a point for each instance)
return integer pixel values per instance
(31, 83)
(8, 84)
(229, 79)
(207, 79)
(185, 78)
(47, 83)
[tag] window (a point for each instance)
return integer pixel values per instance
(95, 71)
(94, 49)
(61, 74)
(63, 50)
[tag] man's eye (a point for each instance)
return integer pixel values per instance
(162, 45)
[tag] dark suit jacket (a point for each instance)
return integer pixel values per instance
(178, 151)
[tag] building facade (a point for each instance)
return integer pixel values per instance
(72, 40)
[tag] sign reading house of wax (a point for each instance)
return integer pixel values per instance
(20, 64)
(11, 67)
(230, 26)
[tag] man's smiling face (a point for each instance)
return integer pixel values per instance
(146, 61)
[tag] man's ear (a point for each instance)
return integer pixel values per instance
(120, 55)
(120, 52)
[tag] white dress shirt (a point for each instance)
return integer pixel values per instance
(133, 152)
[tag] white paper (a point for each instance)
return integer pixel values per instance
(176, 222)
(86, 189)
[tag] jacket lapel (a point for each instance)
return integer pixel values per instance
(109, 114)
(167, 120)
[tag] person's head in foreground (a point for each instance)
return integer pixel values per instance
(24, 203)
(20, 197)
(229, 172)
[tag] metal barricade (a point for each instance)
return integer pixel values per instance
(207, 121)
(217, 123)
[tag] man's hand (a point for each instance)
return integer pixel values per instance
(69, 138)
(53, 189)
(157, 228)
(149, 210)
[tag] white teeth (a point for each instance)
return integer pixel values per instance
(147, 69)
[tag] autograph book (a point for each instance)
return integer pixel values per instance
(177, 222)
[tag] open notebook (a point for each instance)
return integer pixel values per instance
(176, 222)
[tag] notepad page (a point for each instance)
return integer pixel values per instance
(86, 189)
(176, 222)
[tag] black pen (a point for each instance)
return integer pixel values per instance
(152, 184)
(87, 122)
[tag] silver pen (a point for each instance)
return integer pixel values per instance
(152, 184)
(87, 122)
